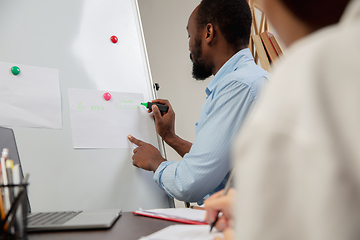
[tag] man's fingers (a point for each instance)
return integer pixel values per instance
(133, 158)
(156, 113)
(161, 101)
(135, 141)
(135, 165)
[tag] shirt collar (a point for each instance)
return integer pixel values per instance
(231, 65)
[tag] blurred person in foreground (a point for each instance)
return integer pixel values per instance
(301, 180)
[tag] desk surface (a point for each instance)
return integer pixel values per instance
(127, 227)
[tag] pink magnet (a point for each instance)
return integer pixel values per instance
(114, 39)
(107, 96)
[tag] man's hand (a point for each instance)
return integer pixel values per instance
(165, 124)
(165, 127)
(145, 155)
(219, 203)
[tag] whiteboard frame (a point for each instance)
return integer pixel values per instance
(148, 72)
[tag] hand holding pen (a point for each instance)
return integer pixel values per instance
(221, 201)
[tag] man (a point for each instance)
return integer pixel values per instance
(298, 157)
(219, 32)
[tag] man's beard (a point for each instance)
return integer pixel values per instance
(200, 70)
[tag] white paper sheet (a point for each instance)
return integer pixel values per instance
(30, 99)
(183, 213)
(184, 232)
(97, 123)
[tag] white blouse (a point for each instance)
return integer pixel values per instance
(298, 156)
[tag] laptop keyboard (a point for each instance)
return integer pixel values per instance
(50, 218)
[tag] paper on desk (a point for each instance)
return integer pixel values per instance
(30, 99)
(97, 123)
(184, 232)
(183, 213)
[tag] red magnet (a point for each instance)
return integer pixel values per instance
(114, 39)
(107, 96)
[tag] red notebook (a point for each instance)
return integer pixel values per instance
(181, 215)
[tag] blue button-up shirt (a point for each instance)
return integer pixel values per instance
(230, 96)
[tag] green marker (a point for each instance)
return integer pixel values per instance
(163, 108)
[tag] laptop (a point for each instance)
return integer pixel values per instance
(63, 220)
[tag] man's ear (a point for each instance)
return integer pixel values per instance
(209, 33)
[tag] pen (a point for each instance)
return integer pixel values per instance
(9, 219)
(6, 199)
(2, 209)
(16, 173)
(226, 189)
(163, 108)
(198, 208)
(9, 165)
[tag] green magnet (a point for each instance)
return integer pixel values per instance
(15, 70)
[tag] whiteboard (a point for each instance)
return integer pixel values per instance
(74, 37)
